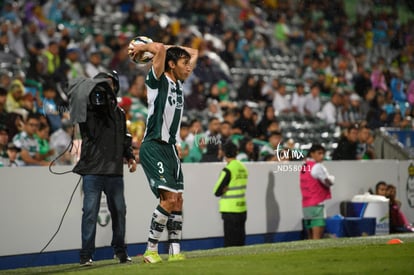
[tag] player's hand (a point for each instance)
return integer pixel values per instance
(132, 165)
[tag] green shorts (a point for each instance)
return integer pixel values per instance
(314, 216)
(161, 166)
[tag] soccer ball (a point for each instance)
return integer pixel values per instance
(146, 56)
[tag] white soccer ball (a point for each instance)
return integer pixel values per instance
(146, 56)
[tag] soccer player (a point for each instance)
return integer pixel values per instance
(160, 159)
(315, 184)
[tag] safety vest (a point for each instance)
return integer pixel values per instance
(313, 191)
(234, 199)
(53, 62)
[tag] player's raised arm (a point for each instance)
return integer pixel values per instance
(194, 56)
(159, 51)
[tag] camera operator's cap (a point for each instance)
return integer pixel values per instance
(12, 146)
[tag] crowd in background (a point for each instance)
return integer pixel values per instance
(300, 59)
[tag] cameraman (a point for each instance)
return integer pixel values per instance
(105, 145)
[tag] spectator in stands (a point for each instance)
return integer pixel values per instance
(196, 149)
(400, 122)
(245, 122)
(347, 145)
(354, 112)
(389, 104)
(230, 116)
(370, 152)
(51, 57)
(315, 184)
(269, 89)
(197, 99)
(377, 118)
(272, 147)
(398, 221)
(282, 34)
(4, 139)
(42, 136)
(76, 68)
(223, 94)
(410, 93)
(94, 64)
(397, 87)
(49, 108)
(137, 92)
(246, 150)
(299, 99)
(183, 147)
(5, 79)
(214, 109)
(28, 103)
(362, 81)
(125, 105)
(272, 127)
(312, 103)
(248, 89)
(378, 80)
(212, 137)
(281, 101)
(367, 102)
(228, 54)
(60, 142)
(25, 140)
(196, 128)
(14, 95)
(97, 44)
(244, 44)
(267, 117)
(3, 99)
(12, 159)
(225, 131)
(331, 110)
(363, 149)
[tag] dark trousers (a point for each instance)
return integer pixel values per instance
(234, 228)
(113, 187)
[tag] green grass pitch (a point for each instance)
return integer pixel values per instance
(362, 255)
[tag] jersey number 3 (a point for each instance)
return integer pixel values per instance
(160, 167)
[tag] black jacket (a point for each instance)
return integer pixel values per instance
(346, 150)
(105, 141)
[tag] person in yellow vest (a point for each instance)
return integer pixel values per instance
(51, 57)
(231, 188)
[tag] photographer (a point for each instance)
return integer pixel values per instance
(105, 145)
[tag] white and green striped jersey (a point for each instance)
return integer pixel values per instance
(165, 108)
(24, 142)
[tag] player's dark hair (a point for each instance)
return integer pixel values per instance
(316, 147)
(174, 54)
